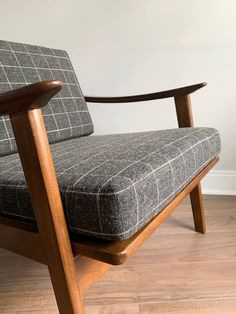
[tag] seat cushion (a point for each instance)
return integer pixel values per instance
(67, 114)
(112, 185)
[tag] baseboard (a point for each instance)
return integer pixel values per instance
(222, 182)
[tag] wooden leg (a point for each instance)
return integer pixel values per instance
(198, 209)
(69, 301)
(88, 272)
(45, 196)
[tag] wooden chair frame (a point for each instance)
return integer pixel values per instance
(75, 262)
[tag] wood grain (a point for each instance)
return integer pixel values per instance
(21, 242)
(144, 97)
(227, 306)
(175, 271)
(89, 271)
(198, 209)
(184, 111)
(33, 96)
(185, 119)
(36, 159)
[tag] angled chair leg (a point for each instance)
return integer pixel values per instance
(33, 147)
(66, 290)
(198, 209)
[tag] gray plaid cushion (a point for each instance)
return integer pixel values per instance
(67, 114)
(113, 185)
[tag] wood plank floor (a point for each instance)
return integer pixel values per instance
(176, 271)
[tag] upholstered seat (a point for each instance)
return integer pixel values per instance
(112, 185)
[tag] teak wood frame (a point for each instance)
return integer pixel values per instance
(75, 262)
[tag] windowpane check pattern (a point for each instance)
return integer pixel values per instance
(66, 116)
(112, 185)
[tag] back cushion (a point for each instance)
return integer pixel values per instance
(66, 116)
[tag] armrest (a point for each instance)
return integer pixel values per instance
(33, 96)
(144, 97)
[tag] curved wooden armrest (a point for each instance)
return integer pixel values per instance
(144, 97)
(29, 97)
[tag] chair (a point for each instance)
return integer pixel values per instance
(81, 203)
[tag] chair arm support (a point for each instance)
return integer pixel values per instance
(144, 97)
(33, 96)
(24, 107)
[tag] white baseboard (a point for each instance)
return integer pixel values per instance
(222, 182)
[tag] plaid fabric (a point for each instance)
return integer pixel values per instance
(113, 185)
(67, 114)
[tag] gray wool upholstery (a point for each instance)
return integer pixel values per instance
(67, 114)
(112, 185)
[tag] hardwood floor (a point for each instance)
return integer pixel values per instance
(176, 271)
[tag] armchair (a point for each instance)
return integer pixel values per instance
(90, 201)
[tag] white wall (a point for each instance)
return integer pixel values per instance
(134, 46)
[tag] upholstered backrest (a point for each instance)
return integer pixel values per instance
(67, 114)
